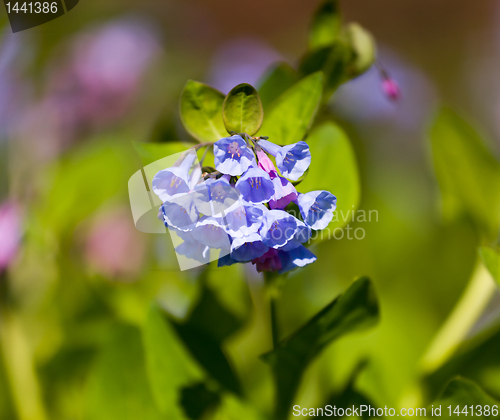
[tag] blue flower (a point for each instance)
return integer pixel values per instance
(316, 208)
(284, 193)
(226, 260)
(180, 212)
(297, 257)
(255, 186)
(278, 227)
(209, 231)
(302, 235)
(232, 156)
(243, 219)
(247, 248)
(292, 160)
(176, 180)
(215, 196)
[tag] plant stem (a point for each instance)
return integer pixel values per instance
(469, 308)
(271, 293)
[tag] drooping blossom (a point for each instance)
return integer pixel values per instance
(233, 156)
(239, 207)
(292, 160)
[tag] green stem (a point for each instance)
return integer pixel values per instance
(469, 308)
(274, 321)
(271, 293)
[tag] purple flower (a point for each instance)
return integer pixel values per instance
(232, 155)
(180, 212)
(292, 160)
(247, 248)
(278, 227)
(255, 186)
(10, 233)
(176, 180)
(284, 193)
(302, 235)
(215, 196)
(297, 257)
(316, 208)
(209, 232)
(242, 220)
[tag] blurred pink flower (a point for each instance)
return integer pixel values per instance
(113, 246)
(391, 89)
(10, 233)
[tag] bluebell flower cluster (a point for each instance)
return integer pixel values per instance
(239, 208)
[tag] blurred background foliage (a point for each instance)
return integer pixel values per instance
(96, 321)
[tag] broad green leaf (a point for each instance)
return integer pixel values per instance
(491, 259)
(333, 168)
(463, 392)
(242, 110)
(169, 365)
(275, 82)
(354, 310)
(332, 61)
(118, 388)
(201, 112)
(209, 354)
(467, 172)
(151, 152)
(364, 48)
(326, 25)
(294, 111)
(233, 408)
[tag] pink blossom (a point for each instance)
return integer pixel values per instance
(10, 233)
(113, 247)
(391, 89)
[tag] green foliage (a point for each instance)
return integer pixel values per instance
(467, 172)
(326, 25)
(151, 152)
(491, 259)
(169, 366)
(280, 78)
(332, 61)
(463, 392)
(242, 110)
(118, 387)
(364, 48)
(354, 310)
(201, 111)
(333, 168)
(292, 114)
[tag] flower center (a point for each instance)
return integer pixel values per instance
(234, 149)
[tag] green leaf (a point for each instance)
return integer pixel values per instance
(151, 152)
(207, 351)
(364, 48)
(354, 310)
(333, 168)
(294, 111)
(275, 82)
(326, 25)
(467, 172)
(201, 111)
(463, 392)
(242, 110)
(491, 259)
(118, 387)
(169, 364)
(332, 61)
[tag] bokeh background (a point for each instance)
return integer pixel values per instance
(78, 278)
